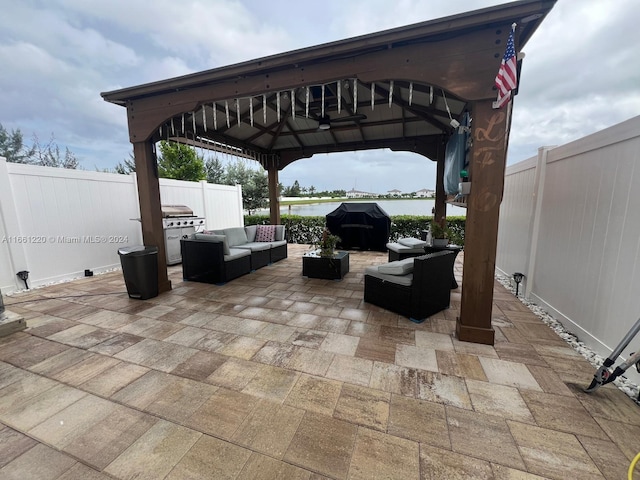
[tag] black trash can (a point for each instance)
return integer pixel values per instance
(140, 270)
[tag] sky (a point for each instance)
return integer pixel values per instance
(580, 73)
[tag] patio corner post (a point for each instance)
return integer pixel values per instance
(440, 204)
(274, 200)
(150, 210)
(488, 159)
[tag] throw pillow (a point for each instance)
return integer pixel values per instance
(412, 242)
(399, 267)
(266, 233)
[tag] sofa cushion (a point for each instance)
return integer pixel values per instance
(207, 237)
(278, 243)
(279, 233)
(255, 246)
(251, 232)
(412, 242)
(399, 267)
(235, 253)
(235, 236)
(266, 233)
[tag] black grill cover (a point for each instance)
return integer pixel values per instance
(360, 225)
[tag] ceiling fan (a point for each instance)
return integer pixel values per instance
(324, 123)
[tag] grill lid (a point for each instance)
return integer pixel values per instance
(176, 211)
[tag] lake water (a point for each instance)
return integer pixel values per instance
(392, 207)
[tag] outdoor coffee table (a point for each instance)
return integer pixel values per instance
(329, 268)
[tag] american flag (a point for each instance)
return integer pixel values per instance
(507, 78)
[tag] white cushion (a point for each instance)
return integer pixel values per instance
(399, 267)
(215, 239)
(251, 232)
(412, 242)
(404, 280)
(236, 236)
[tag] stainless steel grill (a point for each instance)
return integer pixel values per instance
(178, 221)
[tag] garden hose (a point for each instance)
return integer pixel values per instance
(632, 467)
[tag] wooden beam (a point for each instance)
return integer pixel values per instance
(274, 199)
(150, 210)
(488, 159)
(440, 204)
(464, 66)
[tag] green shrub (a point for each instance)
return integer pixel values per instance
(308, 230)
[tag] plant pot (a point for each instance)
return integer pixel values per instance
(440, 242)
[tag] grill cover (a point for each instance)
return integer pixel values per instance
(360, 225)
(176, 211)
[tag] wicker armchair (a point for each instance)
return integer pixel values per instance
(417, 295)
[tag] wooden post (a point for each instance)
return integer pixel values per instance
(488, 159)
(274, 199)
(440, 205)
(150, 211)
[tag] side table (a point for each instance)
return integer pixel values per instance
(330, 268)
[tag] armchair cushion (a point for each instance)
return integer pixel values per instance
(404, 280)
(412, 242)
(279, 233)
(399, 267)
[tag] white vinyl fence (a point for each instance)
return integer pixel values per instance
(56, 223)
(570, 221)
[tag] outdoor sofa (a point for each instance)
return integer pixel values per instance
(217, 256)
(415, 287)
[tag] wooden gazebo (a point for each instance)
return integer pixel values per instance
(396, 89)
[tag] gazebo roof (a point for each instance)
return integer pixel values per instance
(397, 89)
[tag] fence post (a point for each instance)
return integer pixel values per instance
(10, 219)
(206, 213)
(241, 211)
(534, 231)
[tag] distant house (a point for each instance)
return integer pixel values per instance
(353, 193)
(425, 193)
(394, 193)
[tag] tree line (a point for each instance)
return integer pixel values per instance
(14, 149)
(296, 190)
(175, 160)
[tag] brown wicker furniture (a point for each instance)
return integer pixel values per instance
(417, 295)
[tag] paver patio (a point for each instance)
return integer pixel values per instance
(275, 375)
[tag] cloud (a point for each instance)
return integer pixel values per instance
(580, 73)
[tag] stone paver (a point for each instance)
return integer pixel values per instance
(274, 375)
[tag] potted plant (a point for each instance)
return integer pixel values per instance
(327, 244)
(439, 234)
